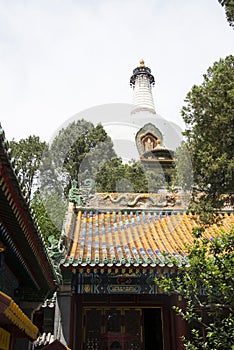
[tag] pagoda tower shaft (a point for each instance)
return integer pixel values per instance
(142, 81)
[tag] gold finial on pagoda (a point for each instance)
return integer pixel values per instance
(142, 63)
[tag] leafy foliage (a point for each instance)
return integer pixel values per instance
(206, 283)
(50, 225)
(183, 173)
(207, 286)
(28, 154)
(31, 155)
(229, 10)
(80, 149)
(209, 116)
(115, 176)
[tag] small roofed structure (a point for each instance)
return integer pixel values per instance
(153, 154)
(16, 323)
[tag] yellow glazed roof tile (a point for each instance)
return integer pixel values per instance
(15, 315)
(122, 238)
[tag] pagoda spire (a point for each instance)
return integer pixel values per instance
(142, 81)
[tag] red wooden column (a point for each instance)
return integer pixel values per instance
(181, 327)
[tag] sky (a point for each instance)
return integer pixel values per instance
(61, 57)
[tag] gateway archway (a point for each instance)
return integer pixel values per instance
(108, 328)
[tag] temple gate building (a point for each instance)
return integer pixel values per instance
(115, 244)
(112, 246)
(108, 299)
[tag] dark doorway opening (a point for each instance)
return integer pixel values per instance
(153, 339)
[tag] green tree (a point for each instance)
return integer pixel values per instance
(49, 214)
(206, 284)
(183, 172)
(46, 172)
(28, 154)
(209, 118)
(31, 155)
(115, 176)
(78, 149)
(109, 174)
(156, 180)
(136, 175)
(206, 281)
(229, 10)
